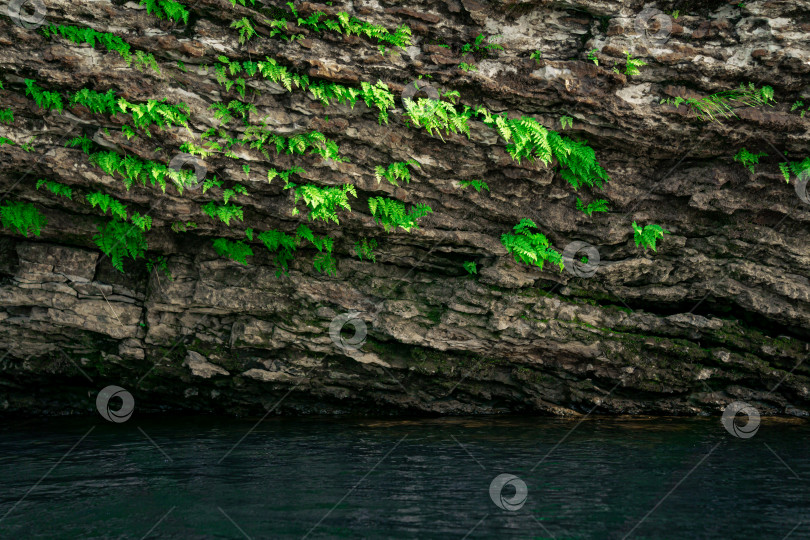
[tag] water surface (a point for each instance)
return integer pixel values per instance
(200, 477)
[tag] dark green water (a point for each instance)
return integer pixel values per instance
(338, 478)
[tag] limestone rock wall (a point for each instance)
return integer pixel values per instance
(720, 312)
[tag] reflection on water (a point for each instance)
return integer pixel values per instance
(599, 478)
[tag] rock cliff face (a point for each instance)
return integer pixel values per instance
(720, 312)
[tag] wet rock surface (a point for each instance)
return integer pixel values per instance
(720, 312)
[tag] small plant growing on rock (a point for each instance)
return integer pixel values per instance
(224, 213)
(482, 44)
(592, 56)
(391, 213)
(6, 116)
(85, 142)
(236, 251)
(477, 185)
(166, 9)
(364, 248)
(28, 146)
(106, 202)
(395, 171)
(798, 105)
(159, 265)
(245, 28)
(22, 217)
(117, 240)
(648, 235)
(43, 98)
(748, 159)
(631, 65)
(599, 205)
(111, 42)
(470, 267)
(530, 248)
(323, 202)
(722, 103)
(56, 188)
(801, 169)
(232, 192)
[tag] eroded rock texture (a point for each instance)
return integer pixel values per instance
(720, 312)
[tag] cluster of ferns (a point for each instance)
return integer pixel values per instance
(123, 236)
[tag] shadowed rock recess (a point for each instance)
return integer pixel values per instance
(720, 312)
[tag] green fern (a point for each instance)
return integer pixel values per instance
(323, 202)
(598, 205)
(391, 213)
(530, 248)
(525, 137)
(723, 103)
(105, 202)
(470, 267)
(236, 251)
(43, 98)
(211, 182)
(56, 188)
(648, 235)
(245, 28)
(395, 171)
(800, 169)
(166, 9)
(159, 265)
(481, 44)
(22, 217)
(224, 213)
(435, 115)
(110, 41)
(134, 169)
(144, 223)
(143, 115)
(632, 64)
(798, 105)
(379, 96)
(325, 263)
(284, 175)
(477, 185)
(84, 141)
(6, 140)
(282, 245)
(365, 249)
(118, 240)
(231, 193)
(748, 159)
(28, 146)
(6, 116)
